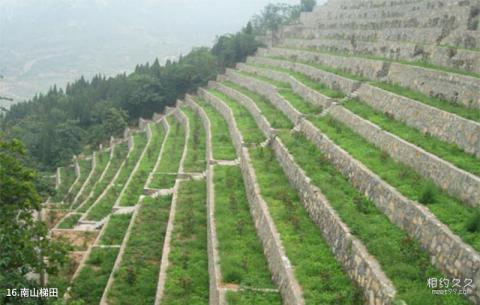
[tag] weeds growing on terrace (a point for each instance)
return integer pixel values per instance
(400, 257)
(195, 159)
(446, 151)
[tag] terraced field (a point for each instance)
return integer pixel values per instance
(338, 166)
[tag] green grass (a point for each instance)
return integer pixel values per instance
(271, 81)
(338, 71)
(135, 282)
(316, 269)
(307, 81)
(458, 109)
(166, 174)
(85, 168)
(135, 188)
(246, 297)
(405, 179)
(245, 121)
(277, 119)
(102, 159)
(116, 228)
(67, 176)
(242, 261)
(195, 159)
(89, 285)
(69, 222)
(187, 275)
(288, 93)
(222, 146)
(104, 206)
(449, 152)
(400, 257)
(119, 154)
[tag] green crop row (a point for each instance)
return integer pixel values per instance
(167, 170)
(119, 154)
(242, 261)
(276, 119)
(88, 287)
(187, 275)
(449, 152)
(222, 145)
(400, 257)
(135, 187)
(85, 168)
(67, 175)
(245, 122)
(135, 282)
(116, 228)
(104, 206)
(195, 159)
(102, 159)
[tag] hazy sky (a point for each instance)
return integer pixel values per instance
(55, 41)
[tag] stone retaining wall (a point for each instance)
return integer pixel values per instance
(455, 181)
(452, 87)
(312, 96)
(87, 181)
(457, 88)
(58, 178)
(332, 80)
(438, 55)
(348, 250)
(267, 91)
(244, 100)
(444, 125)
(280, 266)
(369, 68)
(455, 258)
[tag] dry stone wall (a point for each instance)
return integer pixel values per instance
(305, 92)
(244, 100)
(279, 264)
(348, 250)
(448, 251)
(457, 88)
(443, 56)
(331, 80)
(448, 86)
(455, 181)
(267, 91)
(444, 125)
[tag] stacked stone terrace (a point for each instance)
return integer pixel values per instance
(340, 165)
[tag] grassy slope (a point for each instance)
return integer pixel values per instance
(166, 173)
(119, 154)
(135, 188)
(195, 160)
(104, 206)
(187, 275)
(222, 145)
(136, 280)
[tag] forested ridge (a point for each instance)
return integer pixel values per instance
(64, 122)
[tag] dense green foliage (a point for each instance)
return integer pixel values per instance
(116, 228)
(187, 273)
(195, 160)
(135, 282)
(401, 257)
(58, 124)
(164, 177)
(242, 261)
(135, 187)
(318, 272)
(23, 240)
(89, 285)
(222, 145)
